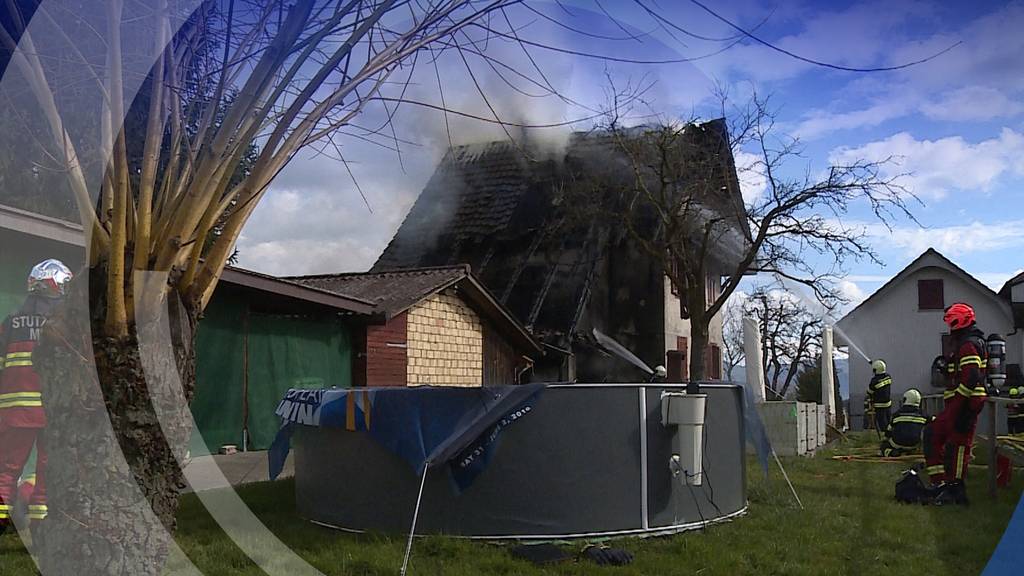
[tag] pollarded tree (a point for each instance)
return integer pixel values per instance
(167, 120)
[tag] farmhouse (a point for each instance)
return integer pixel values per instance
(902, 324)
(512, 212)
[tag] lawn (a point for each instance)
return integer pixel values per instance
(851, 525)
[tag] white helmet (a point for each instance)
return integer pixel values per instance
(49, 278)
(912, 397)
(878, 366)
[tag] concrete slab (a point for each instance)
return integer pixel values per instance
(220, 471)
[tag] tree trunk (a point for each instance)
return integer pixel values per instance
(699, 338)
(117, 428)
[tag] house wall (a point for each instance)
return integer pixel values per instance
(501, 361)
(445, 343)
(385, 353)
(892, 328)
(676, 327)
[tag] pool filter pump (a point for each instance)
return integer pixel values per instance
(685, 412)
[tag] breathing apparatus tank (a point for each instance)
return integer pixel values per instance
(996, 371)
(939, 372)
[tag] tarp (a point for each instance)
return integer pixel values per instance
(425, 426)
(278, 352)
(756, 433)
(1009, 555)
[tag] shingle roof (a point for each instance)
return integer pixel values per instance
(395, 291)
(391, 292)
(507, 211)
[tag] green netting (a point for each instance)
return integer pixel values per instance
(287, 352)
(283, 352)
(220, 361)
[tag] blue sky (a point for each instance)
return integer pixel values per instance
(955, 123)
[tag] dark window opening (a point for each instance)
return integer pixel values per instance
(930, 295)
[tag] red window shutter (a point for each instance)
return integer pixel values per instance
(674, 364)
(716, 362)
(930, 295)
(712, 362)
(683, 346)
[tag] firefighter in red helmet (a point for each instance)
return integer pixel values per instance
(21, 400)
(948, 438)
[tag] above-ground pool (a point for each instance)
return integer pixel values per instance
(590, 460)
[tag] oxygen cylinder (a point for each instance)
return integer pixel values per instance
(996, 371)
(939, 375)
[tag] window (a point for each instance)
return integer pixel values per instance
(714, 288)
(930, 295)
(713, 362)
(676, 365)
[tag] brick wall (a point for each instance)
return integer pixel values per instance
(445, 343)
(386, 353)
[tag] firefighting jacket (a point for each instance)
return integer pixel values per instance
(967, 367)
(21, 399)
(1015, 412)
(880, 390)
(905, 428)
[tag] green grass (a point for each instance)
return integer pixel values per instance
(851, 525)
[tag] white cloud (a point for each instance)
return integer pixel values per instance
(852, 292)
(933, 168)
(972, 103)
(951, 241)
(752, 179)
(980, 79)
(861, 35)
(994, 280)
(817, 123)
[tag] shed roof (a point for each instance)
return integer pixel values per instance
(35, 224)
(395, 291)
(289, 289)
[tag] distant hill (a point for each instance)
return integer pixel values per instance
(842, 369)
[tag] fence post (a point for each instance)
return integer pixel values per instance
(993, 469)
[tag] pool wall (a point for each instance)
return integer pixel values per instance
(589, 460)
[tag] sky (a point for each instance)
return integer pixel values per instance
(953, 126)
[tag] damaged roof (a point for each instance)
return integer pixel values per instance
(393, 292)
(506, 209)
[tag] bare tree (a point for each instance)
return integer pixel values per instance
(733, 351)
(679, 206)
(168, 119)
(790, 336)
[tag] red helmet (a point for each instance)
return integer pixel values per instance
(959, 316)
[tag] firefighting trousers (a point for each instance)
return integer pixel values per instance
(1015, 423)
(15, 447)
(947, 450)
(882, 417)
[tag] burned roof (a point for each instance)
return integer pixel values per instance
(506, 209)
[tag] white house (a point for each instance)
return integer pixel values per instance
(902, 324)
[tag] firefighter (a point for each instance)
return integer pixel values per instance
(904, 432)
(949, 437)
(880, 391)
(869, 415)
(21, 402)
(1015, 412)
